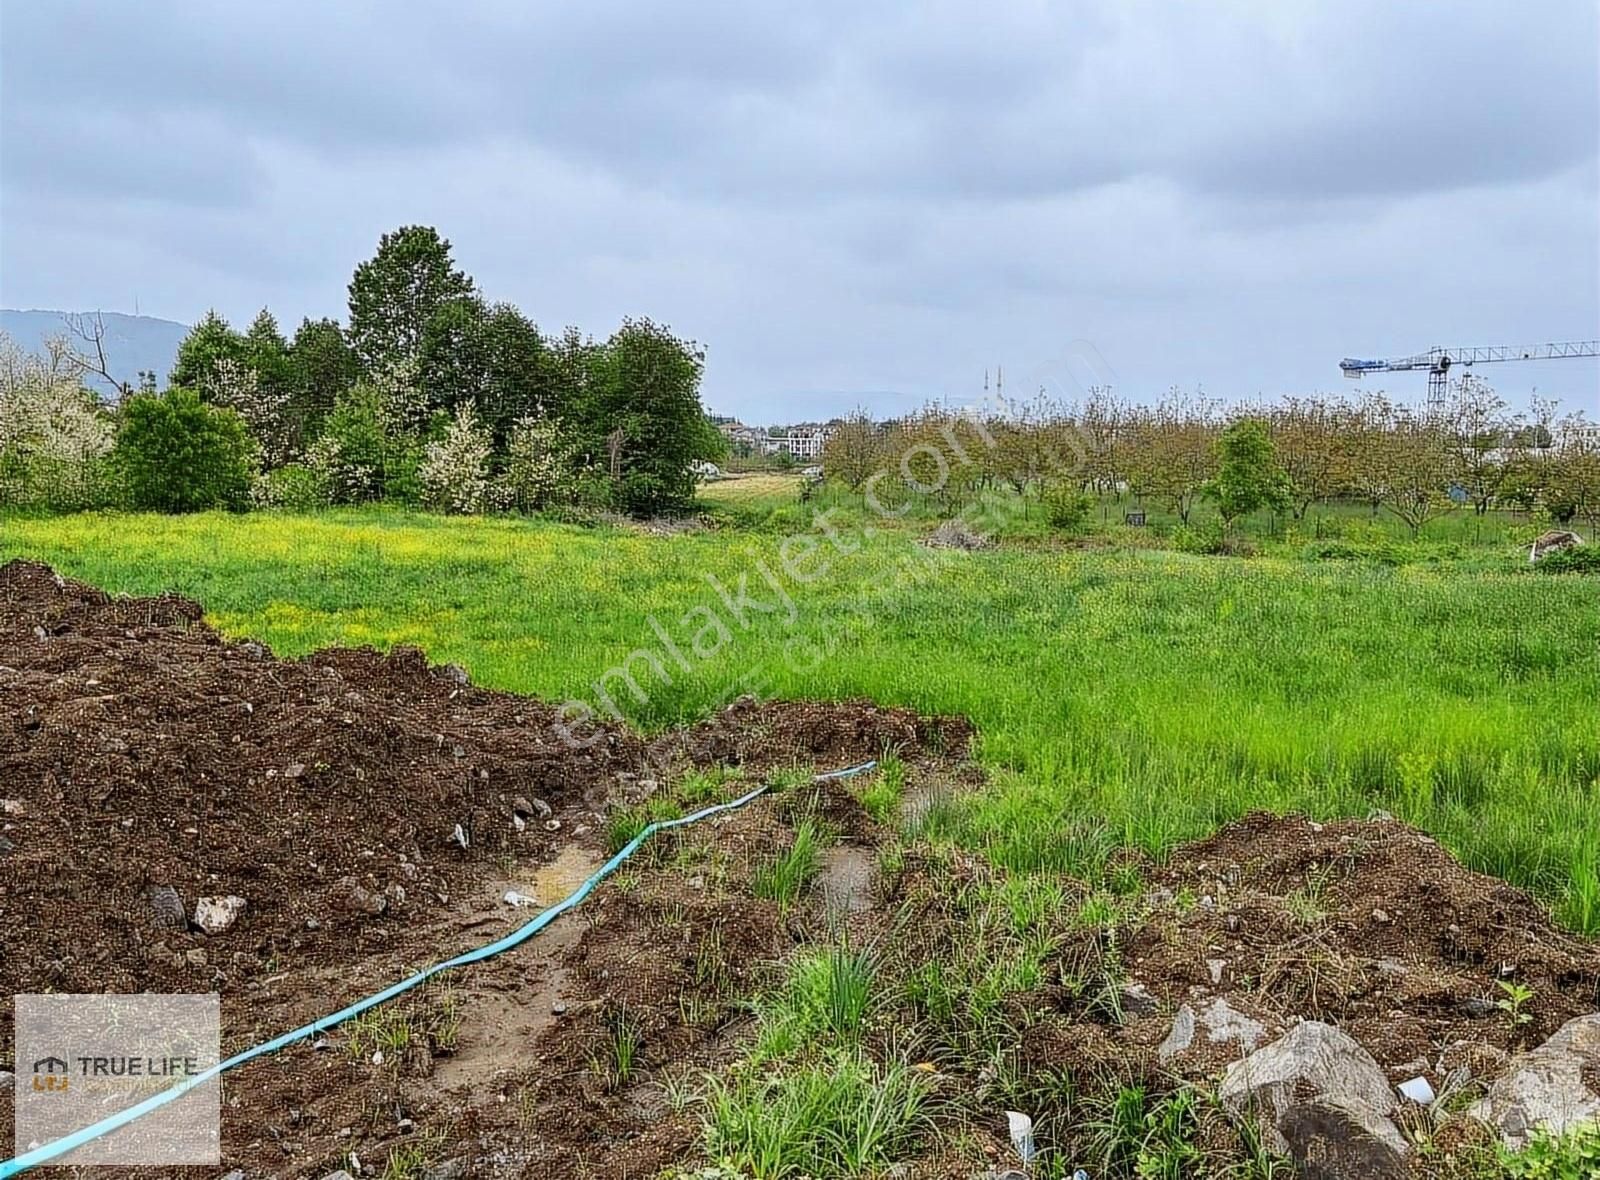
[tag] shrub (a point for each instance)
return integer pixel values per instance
(361, 456)
(539, 469)
(54, 436)
(294, 486)
(177, 454)
(1068, 509)
(1573, 1156)
(455, 473)
(1579, 559)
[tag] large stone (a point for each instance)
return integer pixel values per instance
(1222, 1024)
(216, 915)
(1554, 1086)
(1323, 1101)
(1553, 541)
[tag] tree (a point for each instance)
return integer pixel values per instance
(178, 454)
(647, 400)
(396, 292)
(854, 451)
(360, 455)
(54, 434)
(1307, 437)
(1248, 475)
(1172, 451)
(489, 357)
(322, 365)
(455, 473)
(1479, 432)
(1410, 463)
(1575, 475)
(209, 341)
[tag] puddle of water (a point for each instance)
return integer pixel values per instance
(556, 881)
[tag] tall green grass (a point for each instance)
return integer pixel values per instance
(1123, 697)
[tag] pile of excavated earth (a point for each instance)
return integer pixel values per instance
(184, 812)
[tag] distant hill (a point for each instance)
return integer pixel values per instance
(133, 342)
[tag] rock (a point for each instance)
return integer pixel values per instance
(1554, 1086)
(1553, 541)
(170, 914)
(196, 956)
(1323, 1101)
(341, 1174)
(216, 915)
(6, 846)
(1216, 967)
(294, 770)
(957, 534)
(1478, 1008)
(1137, 1000)
(236, 1174)
(1181, 1036)
(530, 808)
(1220, 1021)
(13, 807)
(448, 1170)
(350, 895)
(7, 1078)
(454, 673)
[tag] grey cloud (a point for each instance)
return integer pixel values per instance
(833, 196)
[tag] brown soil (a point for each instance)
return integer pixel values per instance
(138, 748)
(141, 749)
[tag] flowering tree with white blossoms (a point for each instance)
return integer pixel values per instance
(54, 435)
(455, 472)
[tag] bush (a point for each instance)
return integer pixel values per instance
(1067, 509)
(1580, 559)
(293, 486)
(177, 454)
(361, 456)
(455, 474)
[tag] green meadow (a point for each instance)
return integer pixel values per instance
(1124, 694)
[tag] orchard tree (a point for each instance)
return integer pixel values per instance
(854, 451)
(1478, 433)
(1410, 459)
(1248, 475)
(1307, 439)
(396, 292)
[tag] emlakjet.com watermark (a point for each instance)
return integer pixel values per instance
(83, 1058)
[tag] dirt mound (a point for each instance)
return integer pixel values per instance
(346, 795)
(828, 734)
(1369, 924)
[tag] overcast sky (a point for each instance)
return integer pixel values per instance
(844, 202)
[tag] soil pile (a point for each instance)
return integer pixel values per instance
(343, 796)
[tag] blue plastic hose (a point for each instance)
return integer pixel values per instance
(40, 1155)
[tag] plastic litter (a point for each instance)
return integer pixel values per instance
(1418, 1090)
(1021, 1134)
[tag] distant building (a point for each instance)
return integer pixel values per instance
(803, 442)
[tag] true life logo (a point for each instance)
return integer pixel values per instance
(50, 1075)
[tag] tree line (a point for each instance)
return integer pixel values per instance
(1475, 454)
(429, 394)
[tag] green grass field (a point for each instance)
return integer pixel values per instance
(1123, 695)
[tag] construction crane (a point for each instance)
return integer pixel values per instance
(1438, 362)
